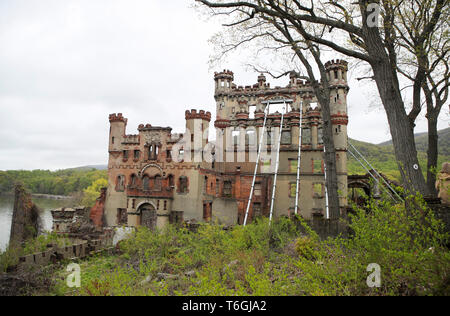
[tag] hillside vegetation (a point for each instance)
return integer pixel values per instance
(276, 260)
(383, 159)
(61, 182)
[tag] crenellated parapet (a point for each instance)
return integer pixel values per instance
(131, 139)
(149, 127)
(337, 64)
(226, 74)
(117, 118)
(337, 73)
(194, 114)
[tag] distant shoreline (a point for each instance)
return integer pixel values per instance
(42, 196)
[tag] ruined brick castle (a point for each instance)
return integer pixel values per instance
(157, 177)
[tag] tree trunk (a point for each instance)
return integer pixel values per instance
(330, 161)
(401, 128)
(432, 155)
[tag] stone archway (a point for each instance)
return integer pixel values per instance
(148, 216)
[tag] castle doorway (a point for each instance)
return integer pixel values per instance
(148, 216)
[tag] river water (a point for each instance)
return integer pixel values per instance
(6, 210)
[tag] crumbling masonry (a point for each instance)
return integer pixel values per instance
(157, 177)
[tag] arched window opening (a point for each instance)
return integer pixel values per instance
(183, 185)
(171, 181)
(133, 181)
(157, 186)
(120, 185)
(146, 183)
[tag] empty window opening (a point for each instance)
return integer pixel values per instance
(269, 137)
(306, 136)
(257, 211)
(257, 190)
(122, 217)
(146, 183)
(320, 135)
(317, 165)
(157, 183)
(235, 135)
(293, 165)
(318, 190)
(293, 189)
(278, 108)
(171, 182)
(183, 185)
(133, 180)
(120, 183)
(227, 188)
(217, 186)
(250, 137)
(251, 111)
(286, 138)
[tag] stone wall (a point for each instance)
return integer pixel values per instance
(77, 250)
(97, 211)
(25, 221)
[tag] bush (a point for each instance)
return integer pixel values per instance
(406, 242)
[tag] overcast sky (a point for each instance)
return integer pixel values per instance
(66, 65)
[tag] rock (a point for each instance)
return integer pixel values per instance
(231, 264)
(12, 285)
(166, 276)
(146, 280)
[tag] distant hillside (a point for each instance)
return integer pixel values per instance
(382, 157)
(90, 167)
(422, 142)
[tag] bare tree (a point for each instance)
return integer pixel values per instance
(335, 24)
(423, 59)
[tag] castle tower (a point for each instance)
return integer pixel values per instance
(118, 125)
(224, 80)
(197, 126)
(337, 74)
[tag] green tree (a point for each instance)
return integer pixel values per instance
(92, 192)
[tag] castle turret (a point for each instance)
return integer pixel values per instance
(118, 125)
(337, 74)
(261, 81)
(197, 126)
(224, 81)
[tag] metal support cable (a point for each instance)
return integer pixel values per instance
(256, 166)
(277, 164)
(326, 187)
(382, 178)
(373, 177)
(297, 188)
